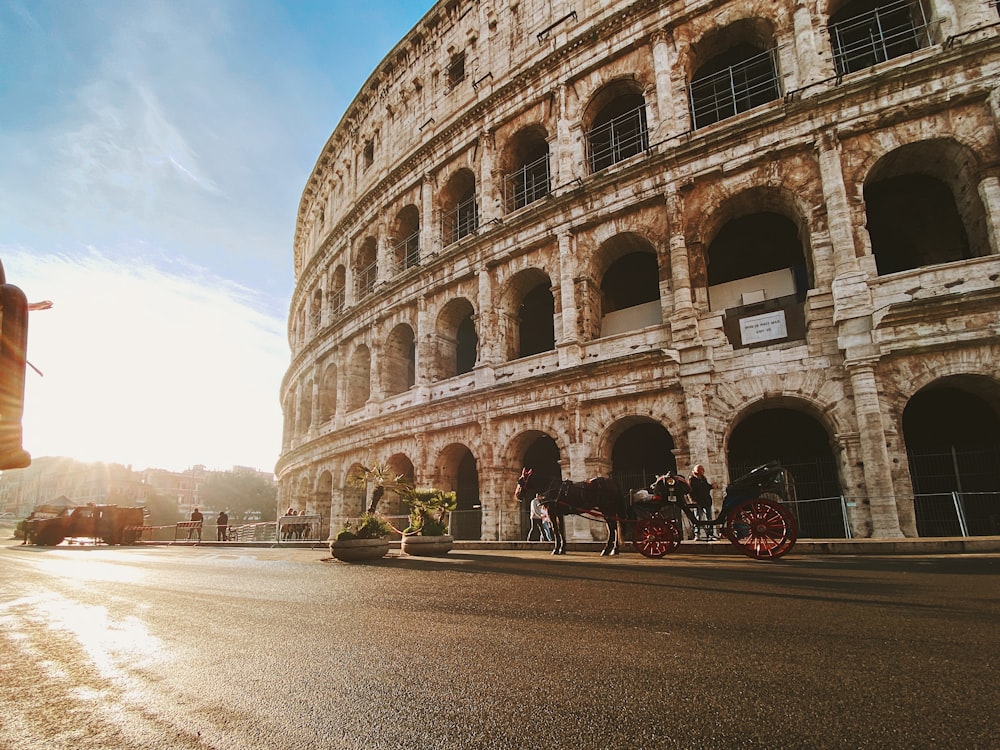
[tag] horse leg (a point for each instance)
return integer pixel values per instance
(559, 527)
(611, 548)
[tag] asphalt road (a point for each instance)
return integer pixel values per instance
(193, 647)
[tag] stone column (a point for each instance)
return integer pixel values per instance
(426, 366)
(806, 53)
(563, 163)
(680, 269)
(838, 207)
(487, 200)
(667, 125)
(567, 298)
(427, 233)
(989, 192)
(874, 454)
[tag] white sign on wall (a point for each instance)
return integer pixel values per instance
(765, 327)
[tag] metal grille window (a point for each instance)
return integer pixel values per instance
(337, 300)
(887, 31)
(407, 252)
(734, 89)
(618, 139)
(460, 221)
(364, 281)
(527, 184)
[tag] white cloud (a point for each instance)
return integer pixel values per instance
(148, 367)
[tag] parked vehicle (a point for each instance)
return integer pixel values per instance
(110, 523)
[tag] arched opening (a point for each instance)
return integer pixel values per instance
(316, 311)
(530, 314)
(460, 472)
(328, 393)
(952, 434)
(457, 340)
(459, 213)
(642, 452)
(541, 457)
(366, 268)
(305, 408)
(406, 239)
(911, 211)
(392, 504)
(399, 360)
(525, 168)
(359, 380)
(338, 291)
(757, 272)
(864, 33)
(739, 72)
(803, 446)
(616, 125)
(355, 495)
(630, 287)
(536, 321)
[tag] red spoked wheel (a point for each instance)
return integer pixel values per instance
(655, 537)
(761, 529)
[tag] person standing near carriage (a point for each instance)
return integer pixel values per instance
(222, 527)
(701, 492)
(536, 532)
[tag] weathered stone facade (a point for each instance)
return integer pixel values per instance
(566, 233)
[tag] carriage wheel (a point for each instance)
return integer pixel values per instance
(655, 537)
(762, 529)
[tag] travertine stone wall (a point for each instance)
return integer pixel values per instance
(449, 106)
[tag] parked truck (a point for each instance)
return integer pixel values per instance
(112, 524)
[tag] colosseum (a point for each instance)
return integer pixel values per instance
(616, 237)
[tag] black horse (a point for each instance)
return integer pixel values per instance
(597, 497)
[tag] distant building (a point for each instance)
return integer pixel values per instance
(620, 237)
(50, 477)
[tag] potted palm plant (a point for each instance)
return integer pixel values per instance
(427, 533)
(362, 540)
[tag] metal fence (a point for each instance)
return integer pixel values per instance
(887, 31)
(734, 89)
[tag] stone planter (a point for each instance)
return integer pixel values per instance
(359, 550)
(426, 546)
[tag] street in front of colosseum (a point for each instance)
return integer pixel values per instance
(199, 647)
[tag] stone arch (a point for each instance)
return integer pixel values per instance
(392, 503)
(913, 214)
(629, 282)
(615, 123)
(405, 237)
(457, 203)
(324, 502)
(528, 307)
(355, 500)
(641, 448)
(337, 298)
(757, 250)
(458, 471)
(951, 428)
(798, 436)
(732, 69)
(864, 33)
(305, 407)
(365, 268)
(457, 343)
(328, 392)
(536, 449)
(399, 360)
(524, 165)
(359, 378)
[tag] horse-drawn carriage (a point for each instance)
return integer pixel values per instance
(752, 517)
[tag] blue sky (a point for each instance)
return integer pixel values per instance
(152, 157)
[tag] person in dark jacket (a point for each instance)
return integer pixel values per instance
(701, 493)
